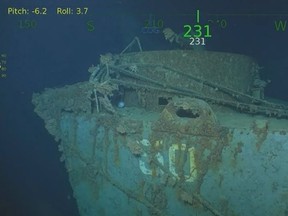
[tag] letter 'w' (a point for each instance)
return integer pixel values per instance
(280, 25)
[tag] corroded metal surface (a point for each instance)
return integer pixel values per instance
(179, 147)
(151, 165)
(228, 70)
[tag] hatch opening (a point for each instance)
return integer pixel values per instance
(187, 113)
(163, 100)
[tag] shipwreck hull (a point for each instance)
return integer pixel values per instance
(186, 156)
(235, 170)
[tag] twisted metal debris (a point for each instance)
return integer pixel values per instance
(129, 76)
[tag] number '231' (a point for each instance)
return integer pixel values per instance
(198, 31)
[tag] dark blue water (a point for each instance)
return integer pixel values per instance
(59, 50)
